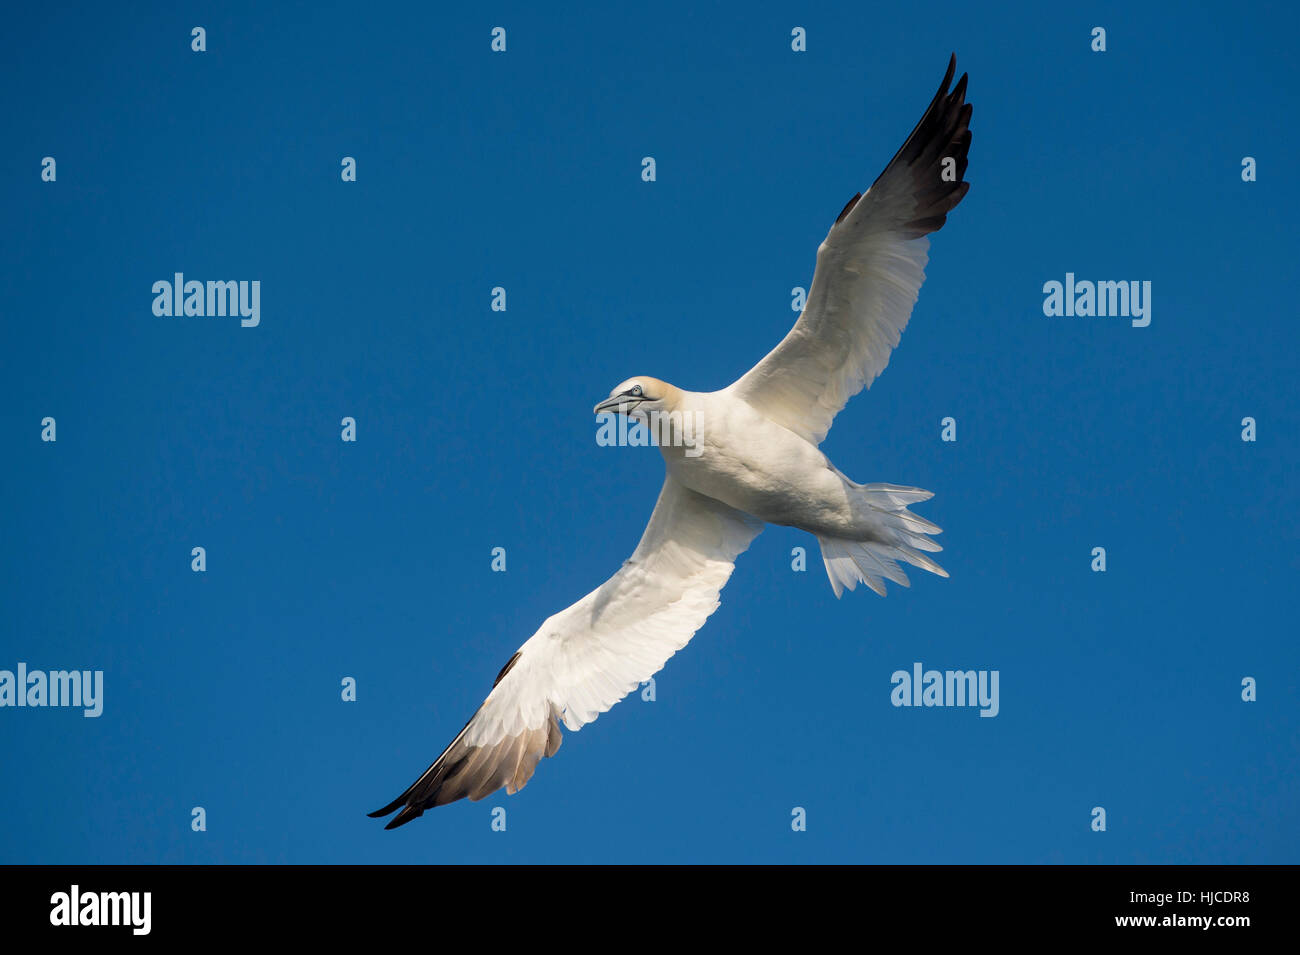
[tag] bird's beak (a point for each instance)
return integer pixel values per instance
(619, 404)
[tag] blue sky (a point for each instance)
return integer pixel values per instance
(372, 559)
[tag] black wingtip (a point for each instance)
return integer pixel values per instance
(388, 810)
(406, 815)
(848, 207)
(947, 77)
(959, 91)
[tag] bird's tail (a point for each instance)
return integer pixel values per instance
(898, 535)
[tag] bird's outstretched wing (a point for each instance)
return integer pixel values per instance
(869, 270)
(586, 658)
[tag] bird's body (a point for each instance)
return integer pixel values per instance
(755, 465)
(753, 458)
(749, 462)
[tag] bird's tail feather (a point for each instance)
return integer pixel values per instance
(871, 562)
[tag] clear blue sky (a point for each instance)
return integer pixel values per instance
(371, 560)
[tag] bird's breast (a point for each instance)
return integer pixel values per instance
(751, 463)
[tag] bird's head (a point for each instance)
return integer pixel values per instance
(638, 397)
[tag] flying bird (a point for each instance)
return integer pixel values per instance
(755, 461)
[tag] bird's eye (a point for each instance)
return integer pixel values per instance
(636, 391)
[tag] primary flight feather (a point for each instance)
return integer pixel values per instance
(754, 460)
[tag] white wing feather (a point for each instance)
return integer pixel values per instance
(869, 271)
(589, 656)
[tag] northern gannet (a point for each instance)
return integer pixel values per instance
(755, 461)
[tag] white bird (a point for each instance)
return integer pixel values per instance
(754, 460)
